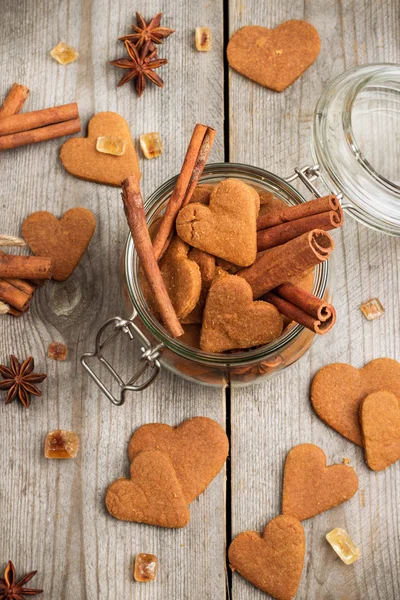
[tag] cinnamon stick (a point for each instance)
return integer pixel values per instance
(25, 267)
(303, 307)
(24, 286)
(13, 296)
(14, 100)
(192, 168)
(136, 217)
(306, 209)
(38, 118)
(280, 264)
(294, 313)
(16, 313)
(305, 300)
(280, 234)
(5, 309)
(39, 135)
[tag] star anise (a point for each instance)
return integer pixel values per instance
(140, 66)
(147, 32)
(14, 590)
(18, 379)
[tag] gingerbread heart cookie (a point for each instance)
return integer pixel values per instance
(338, 389)
(274, 58)
(274, 561)
(380, 424)
(232, 320)
(181, 276)
(227, 226)
(310, 487)
(202, 193)
(80, 157)
(206, 264)
(152, 495)
(197, 449)
(64, 240)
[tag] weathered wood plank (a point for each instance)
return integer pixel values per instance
(53, 515)
(273, 131)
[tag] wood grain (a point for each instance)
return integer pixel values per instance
(52, 512)
(269, 419)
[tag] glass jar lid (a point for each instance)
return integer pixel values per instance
(356, 140)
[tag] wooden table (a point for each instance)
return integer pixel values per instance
(52, 513)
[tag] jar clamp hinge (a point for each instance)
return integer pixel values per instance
(149, 358)
(309, 174)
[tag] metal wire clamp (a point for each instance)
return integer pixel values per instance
(148, 360)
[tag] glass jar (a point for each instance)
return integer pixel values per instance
(159, 349)
(358, 163)
(356, 141)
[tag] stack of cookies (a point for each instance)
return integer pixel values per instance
(239, 265)
(170, 467)
(363, 405)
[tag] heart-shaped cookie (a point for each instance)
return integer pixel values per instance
(310, 487)
(206, 264)
(152, 495)
(232, 320)
(274, 58)
(227, 226)
(274, 561)
(80, 157)
(202, 193)
(197, 449)
(380, 424)
(181, 276)
(64, 240)
(338, 389)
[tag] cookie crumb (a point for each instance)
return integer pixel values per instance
(346, 461)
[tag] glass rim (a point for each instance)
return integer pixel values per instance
(342, 180)
(131, 272)
(353, 94)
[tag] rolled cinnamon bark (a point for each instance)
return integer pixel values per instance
(38, 118)
(25, 286)
(42, 134)
(294, 313)
(280, 264)
(16, 313)
(5, 309)
(24, 267)
(14, 100)
(299, 211)
(192, 168)
(305, 300)
(13, 296)
(280, 234)
(136, 217)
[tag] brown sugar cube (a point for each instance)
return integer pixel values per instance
(57, 351)
(145, 567)
(61, 444)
